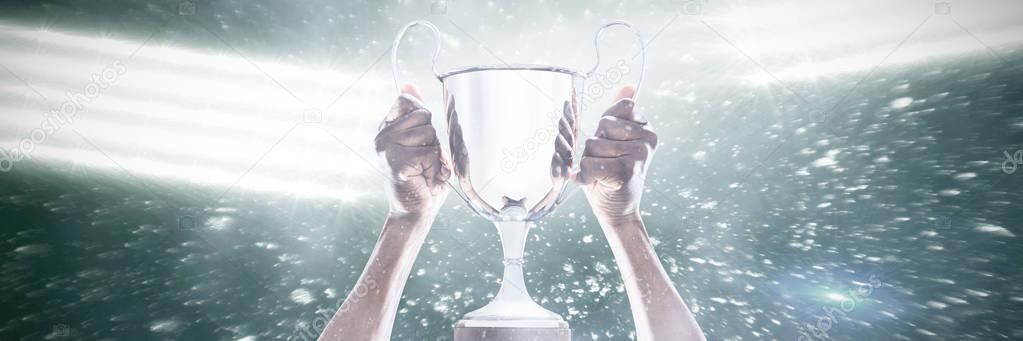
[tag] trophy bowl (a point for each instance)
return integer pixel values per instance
(512, 131)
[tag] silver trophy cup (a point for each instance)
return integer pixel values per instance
(512, 132)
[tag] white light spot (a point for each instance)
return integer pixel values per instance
(995, 230)
(901, 102)
(301, 296)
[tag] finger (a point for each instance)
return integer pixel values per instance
(564, 142)
(423, 135)
(560, 168)
(567, 122)
(459, 153)
(410, 120)
(614, 149)
(445, 172)
(563, 149)
(411, 89)
(627, 91)
(437, 173)
(405, 104)
(613, 128)
(397, 130)
(625, 109)
(624, 106)
(567, 130)
(561, 162)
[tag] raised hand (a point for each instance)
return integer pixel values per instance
(612, 171)
(616, 158)
(407, 142)
(408, 145)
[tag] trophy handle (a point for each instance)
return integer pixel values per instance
(397, 43)
(433, 66)
(642, 51)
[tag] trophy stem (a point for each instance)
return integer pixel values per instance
(513, 243)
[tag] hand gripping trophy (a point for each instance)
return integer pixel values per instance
(512, 137)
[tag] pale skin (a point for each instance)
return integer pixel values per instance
(611, 174)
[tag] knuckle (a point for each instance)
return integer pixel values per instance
(640, 158)
(596, 165)
(587, 165)
(421, 135)
(422, 115)
(640, 149)
(591, 145)
(606, 124)
(650, 138)
(385, 145)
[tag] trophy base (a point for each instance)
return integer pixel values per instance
(513, 330)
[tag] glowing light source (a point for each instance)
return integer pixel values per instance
(835, 296)
(203, 119)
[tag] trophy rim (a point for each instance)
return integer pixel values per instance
(514, 67)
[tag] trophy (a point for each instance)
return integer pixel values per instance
(511, 135)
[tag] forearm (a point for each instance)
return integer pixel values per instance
(368, 311)
(658, 310)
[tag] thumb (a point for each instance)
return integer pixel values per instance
(411, 89)
(623, 106)
(627, 91)
(405, 104)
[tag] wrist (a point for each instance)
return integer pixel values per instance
(613, 207)
(407, 226)
(401, 235)
(410, 219)
(620, 220)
